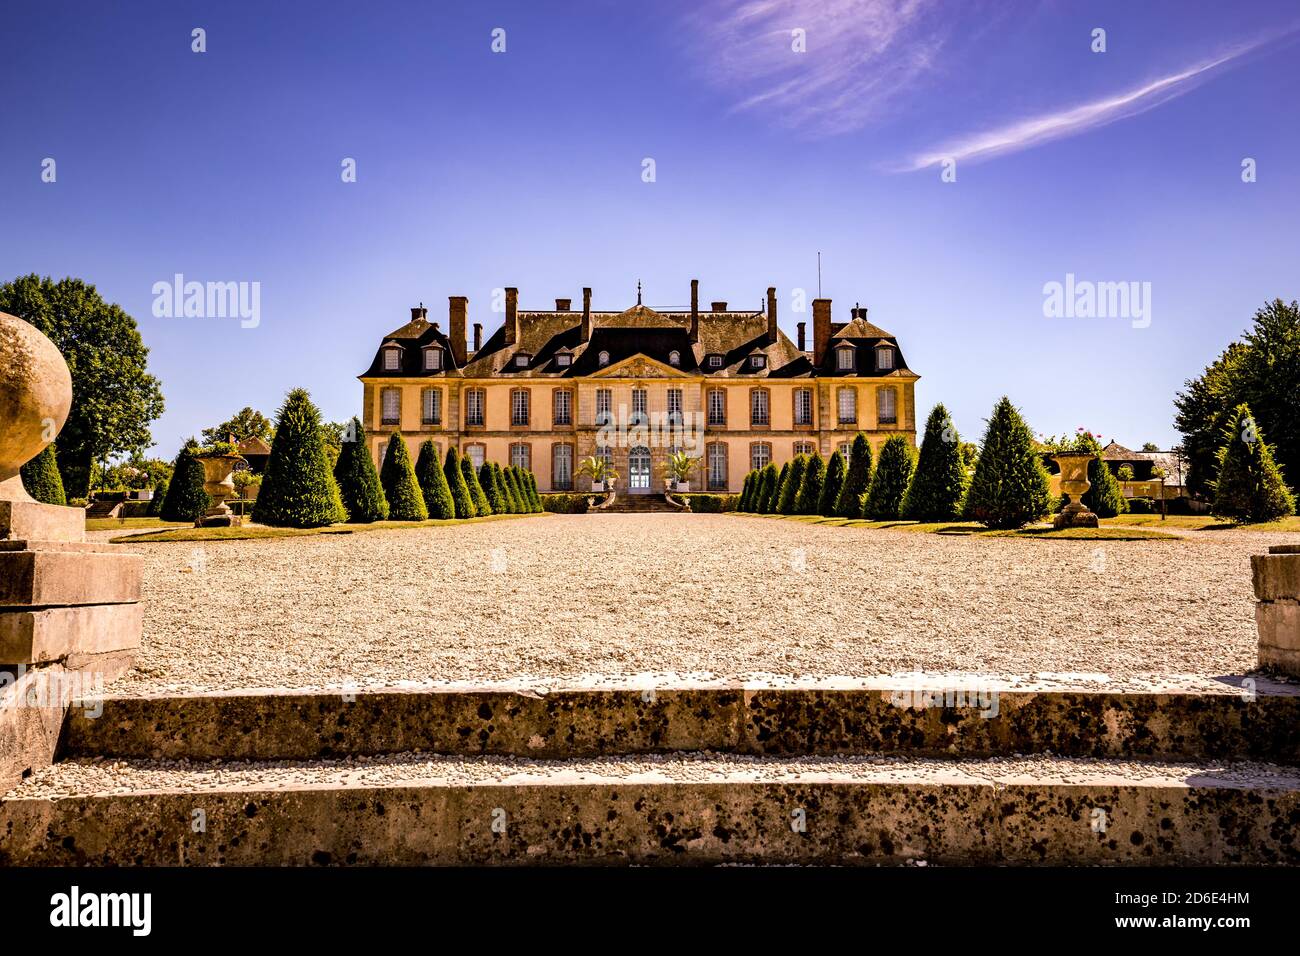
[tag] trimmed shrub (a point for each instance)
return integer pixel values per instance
(186, 500)
(487, 479)
(358, 482)
(939, 483)
(1250, 486)
(1105, 498)
(298, 490)
(746, 492)
(1142, 506)
(889, 483)
(774, 503)
(507, 493)
(401, 480)
(832, 485)
(790, 487)
(810, 492)
(522, 505)
(456, 482)
(564, 504)
(856, 480)
(481, 504)
(711, 504)
(1010, 487)
(41, 478)
(769, 477)
(432, 482)
(533, 497)
(156, 502)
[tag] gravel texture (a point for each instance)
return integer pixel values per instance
(675, 595)
(74, 778)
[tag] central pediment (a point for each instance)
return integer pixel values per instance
(639, 366)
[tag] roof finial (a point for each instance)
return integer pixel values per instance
(638, 291)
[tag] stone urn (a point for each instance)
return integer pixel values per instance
(1074, 485)
(218, 482)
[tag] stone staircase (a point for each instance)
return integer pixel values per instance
(626, 503)
(842, 772)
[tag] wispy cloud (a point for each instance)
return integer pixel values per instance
(1035, 130)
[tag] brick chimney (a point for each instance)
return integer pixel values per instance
(457, 311)
(821, 329)
(771, 315)
(512, 315)
(718, 306)
(419, 312)
(478, 336)
(585, 331)
(802, 327)
(695, 310)
(563, 305)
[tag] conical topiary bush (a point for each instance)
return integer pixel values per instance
(159, 496)
(481, 504)
(530, 490)
(810, 492)
(856, 480)
(401, 483)
(790, 487)
(185, 498)
(831, 486)
(41, 478)
(1250, 486)
(456, 482)
(487, 479)
(768, 479)
(502, 475)
(938, 485)
(746, 492)
(298, 489)
(889, 482)
(774, 504)
(1010, 487)
(434, 490)
(358, 481)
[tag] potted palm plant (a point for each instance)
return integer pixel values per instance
(678, 470)
(600, 472)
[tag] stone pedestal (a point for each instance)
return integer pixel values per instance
(1277, 613)
(219, 484)
(1074, 485)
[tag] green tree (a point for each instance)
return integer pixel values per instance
(747, 492)
(534, 497)
(810, 491)
(456, 482)
(298, 489)
(790, 487)
(1150, 446)
(1104, 497)
(1010, 487)
(244, 424)
(507, 488)
(774, 506)
(185, 499)
(831, 487)
(889, 483)
(487, 479)
(114, 399)
(856, 480)
(1250, 486)
(41, 478)
(432, 482)
(767, 489)
(939, 482)
(159, 496)
(481, 504)
(359, 487)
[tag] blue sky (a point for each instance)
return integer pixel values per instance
(477, 170)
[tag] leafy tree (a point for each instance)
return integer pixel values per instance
(481, 504)
(159, 495)
(456, 482)
(831, 486)
(113, 397)
(970, 453)
(767, 489)
(810, 491)
(185, 499)
(856, 480)
(1150, 446)
(939, 483)
(1104, 497)
(1010, 487)
(244, 424)
(790, 488)
(359, 487)
(1124, 472)
(41, 478)
(889, 483)
(432, 482)
(298, 489)
(487, 479)
(1250, 486)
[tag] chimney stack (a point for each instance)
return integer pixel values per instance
(563, 305)
(802, 327)
(718, 306)
(586, 315)
(695, 310)
(457, 311)
(512, 315)
(771, 315)
(419, 312)
(478, 337)
(821, 329)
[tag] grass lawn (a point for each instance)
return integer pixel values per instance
(1104, 533)
(146, 524)
(253, 531)
(1200, 523)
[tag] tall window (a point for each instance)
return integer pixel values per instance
(803, 406)
(845, 448)
(884, 358)
(804, 448)
(563, 411)
(431, 413)
(606, 454)
(675, 406)
(844, 358)
(760, 455)
(639, 400)
(475, 455)
(519, 407)
(521, 456)
(433, 359)
(718, 466)
(392, 359)
(474, 402)
(604, 398)
(758, 407)
(885, 411)
(392, 406)
(562, 467)
(717, 406)
(848, 405)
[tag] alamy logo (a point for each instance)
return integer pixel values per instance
(208, 300)
(1084, 299)
(75, 908)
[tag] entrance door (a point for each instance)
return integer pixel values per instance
(638, 470)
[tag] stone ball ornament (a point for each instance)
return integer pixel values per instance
(35, 395)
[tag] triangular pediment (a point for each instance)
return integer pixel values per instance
(639, 366)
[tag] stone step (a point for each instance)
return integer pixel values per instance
(626, 504)
(411, 809)
(1191, 720)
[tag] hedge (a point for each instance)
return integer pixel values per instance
(564, 504)
(711, 504)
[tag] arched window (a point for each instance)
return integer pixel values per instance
(603, 358)
(674, 357)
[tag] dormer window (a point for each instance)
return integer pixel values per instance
(521, 360)
(674, 358)
(884, 357)
(603, 358)
(564, 360)
(392, 359)
(757, 361)
(715, 361)
(433, 358)
(844, 359)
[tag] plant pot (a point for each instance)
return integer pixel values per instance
(1074, 485)
(217, 482)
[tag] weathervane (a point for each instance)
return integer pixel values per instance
(638, 291)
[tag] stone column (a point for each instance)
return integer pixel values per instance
(1277, 613)
(70, 617)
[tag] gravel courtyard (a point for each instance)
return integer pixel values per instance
(568, 597)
